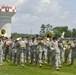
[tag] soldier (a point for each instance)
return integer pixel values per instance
(73, 47)
(22, 45)
(46, 48)
(1, 50)
(67, 52)
(43, 47)
(62, 50)
(40, 48)
(15, 47)
(11, 45)
(53, 54)
(18, 47)
(6, 49)
(57, 57)
(36, 55)
(27, 57)
(20, 51)
(30, 50)
(35, 50)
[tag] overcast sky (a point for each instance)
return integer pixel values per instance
(31, 14)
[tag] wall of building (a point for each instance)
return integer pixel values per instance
(5, 23)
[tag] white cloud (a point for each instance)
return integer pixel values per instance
(20, 2)
(46, 1)
(49, 6)
(32, 13)
(74, 22)
(64, 15)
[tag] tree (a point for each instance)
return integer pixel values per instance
(59, 30)
(73, 32)
(42, 31)
(68, 33)
(48, 28)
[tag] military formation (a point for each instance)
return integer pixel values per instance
(50, 50)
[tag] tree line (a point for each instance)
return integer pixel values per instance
(51, 31)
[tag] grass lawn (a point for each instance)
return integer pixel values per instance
(29, 69)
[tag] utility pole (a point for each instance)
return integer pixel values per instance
(71, 33)
(31, 33)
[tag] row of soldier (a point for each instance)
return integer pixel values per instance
(37, 50)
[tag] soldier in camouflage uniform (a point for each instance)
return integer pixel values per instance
(30, 50)
(11, 45)
(43, 47)
(73, 53)
(18, 47)
(53, 54)
(67, 52)
(6, 48)
(1, 50)
(15, 47)
(40, 48)
(22, 47)
(62, 51)
(57, 57)
(27, 49)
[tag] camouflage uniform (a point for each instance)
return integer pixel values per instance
(40, 48)
(57, 57)
(6, 49)
(53, 54)
(35, 50)
(15, 46)
(67, 52)
(73, 53)
(22, 55)
(1, 51)
(18, 51)
(62, 50)
(46, 48)
(43, 47)
(11, 45)
(30, 50)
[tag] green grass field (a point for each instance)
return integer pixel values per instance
(30, 69)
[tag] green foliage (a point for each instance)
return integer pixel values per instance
(42, 31)
(16, 35)
(59, 30)
(46, 29)
(73, 33)
(68, 33)
(49, 30)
